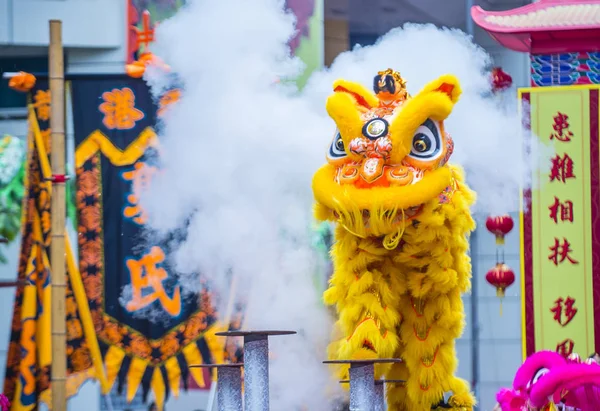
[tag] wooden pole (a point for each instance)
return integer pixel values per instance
(57, 253)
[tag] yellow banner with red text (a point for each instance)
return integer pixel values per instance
(560, 212)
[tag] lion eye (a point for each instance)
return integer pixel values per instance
(337, 149)
(426, 144)
(539, 374)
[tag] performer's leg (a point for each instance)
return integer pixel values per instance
(429, 330)
(397, 399)
(366, 296)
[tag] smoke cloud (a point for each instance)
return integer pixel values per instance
(240, 148)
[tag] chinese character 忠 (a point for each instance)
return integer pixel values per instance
(562, 168)
(562, 210)
(561, 128)
(561, 252)
(119, 109)
(140, 177)
(147, 283)
(41, 102)
(566, 307)
(565, 348)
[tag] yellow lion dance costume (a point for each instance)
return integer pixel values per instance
(403, 220)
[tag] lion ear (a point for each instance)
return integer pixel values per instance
(447, 89)
(447, 84)
(361, 96)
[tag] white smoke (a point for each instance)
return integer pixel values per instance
(239, 151)
(487, 130)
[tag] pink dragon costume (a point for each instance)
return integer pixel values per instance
(547, 379)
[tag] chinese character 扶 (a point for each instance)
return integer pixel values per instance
(560, 252)
(41, 102)
(564, 307)
(565, 348)
(147, 283)
(561, 210)
(119, 109)
(140, 178)
(561, 128)
(562, 168)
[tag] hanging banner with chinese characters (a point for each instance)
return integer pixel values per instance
(150, 329)
(29, 357)
(561, 223)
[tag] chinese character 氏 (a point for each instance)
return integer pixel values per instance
(562, 210)
(561, 128)
(564, 307)
(119, 109)
(562, 168)
(560, 252)
(140, 178)
(147, 283)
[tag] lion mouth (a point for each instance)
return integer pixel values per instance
(402, 216)
(340, 197)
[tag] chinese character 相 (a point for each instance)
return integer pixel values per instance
(561, 210)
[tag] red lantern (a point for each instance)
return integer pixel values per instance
(499, 226)
(500, 80)
(501, 277)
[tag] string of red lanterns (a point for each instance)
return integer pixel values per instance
(500, 276)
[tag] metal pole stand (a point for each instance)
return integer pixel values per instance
(256, 366)
(362, 382)
(229, 386)
(379, 392)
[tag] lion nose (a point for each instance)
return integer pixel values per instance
(380, 147)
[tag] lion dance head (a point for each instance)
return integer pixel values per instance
(388, 156)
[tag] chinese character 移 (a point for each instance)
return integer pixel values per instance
(562, 210)
(140, 177)
(565, 348)
(566, 307)
(119, 109)
(147, 283)
(561, 128)
(562, 168)
(170, 97)
(561, 252)
(41, 102)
